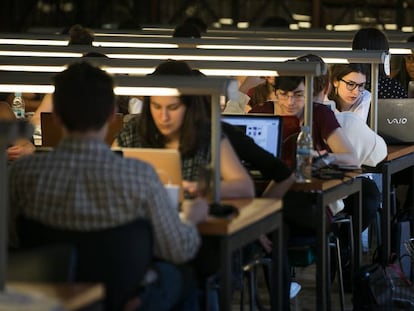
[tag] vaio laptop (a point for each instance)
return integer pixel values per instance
(265, 130)
(396, 120)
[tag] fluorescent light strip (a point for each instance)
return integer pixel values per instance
(273, 48)
(42, 89)
(32, 68)
(135, 45)
(146, 91)
(34, 42)
(400, 51)
(129, 70)
(198, 57)
(39, 54)
(236, 72)
(335, 60)
(131, 35)
(112, 70)
(26, 88)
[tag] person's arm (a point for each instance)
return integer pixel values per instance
(20, 148)
(278, 189)
(236, 182)
(342, 148)
(269, 166)
(175, 239)
(45, 106)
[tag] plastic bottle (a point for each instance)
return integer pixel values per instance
(18, 106)
(304, 150)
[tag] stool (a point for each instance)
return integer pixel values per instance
(301, 254)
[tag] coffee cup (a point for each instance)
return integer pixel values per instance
(173, 193)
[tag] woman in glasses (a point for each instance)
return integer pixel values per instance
(348, 89)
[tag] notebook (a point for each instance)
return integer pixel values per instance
(265, 130)
(52, 132)
(396, 120)
(167, 163)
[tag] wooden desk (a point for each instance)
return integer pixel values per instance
(399, 158)
(325, 192)
(256, 217)
(72, 296)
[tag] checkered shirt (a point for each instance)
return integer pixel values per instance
(83, 185)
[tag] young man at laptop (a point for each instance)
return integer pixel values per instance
(83, 185)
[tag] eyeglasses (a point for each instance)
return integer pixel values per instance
(409, 58)
(299, 95)
(351, 85)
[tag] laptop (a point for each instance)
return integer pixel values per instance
(396, 120)
(166, 162)
(52, 132)
(265, 130)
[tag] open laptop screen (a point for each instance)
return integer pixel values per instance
(265, 130)
(396, 120)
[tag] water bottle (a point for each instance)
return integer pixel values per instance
(18, 106)
(304, 156)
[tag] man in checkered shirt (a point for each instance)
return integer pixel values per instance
(83, 185)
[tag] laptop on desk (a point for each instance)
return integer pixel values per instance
(396, 120)
(265, 130)
(166, 162)
(52, 132)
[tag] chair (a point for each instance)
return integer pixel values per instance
(301, 254)
(118, 257)
(250, 274)
(46, 263)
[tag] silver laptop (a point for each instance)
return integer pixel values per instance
(396, 120)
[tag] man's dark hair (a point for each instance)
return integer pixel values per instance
(319, 82)
(287, 84)
(186, 30)
(80, 35)
(198, 22)
(83, 97)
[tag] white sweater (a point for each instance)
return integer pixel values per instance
(370, 147)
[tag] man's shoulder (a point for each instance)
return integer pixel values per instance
(266, 107)
(322, 109)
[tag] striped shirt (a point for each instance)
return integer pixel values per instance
(83, 185)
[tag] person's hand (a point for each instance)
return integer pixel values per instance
(195, 211)
(191, 187)
(266, 243)
(20, 149)
(15, 152)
